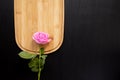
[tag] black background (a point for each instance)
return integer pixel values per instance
(91, 47)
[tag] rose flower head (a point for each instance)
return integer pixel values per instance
(41, 38)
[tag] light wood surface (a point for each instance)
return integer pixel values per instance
(31, 16)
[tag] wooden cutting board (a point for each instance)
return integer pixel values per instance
(31, 16)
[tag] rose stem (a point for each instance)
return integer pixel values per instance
(41, 52)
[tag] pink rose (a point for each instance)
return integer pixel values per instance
(41, 38)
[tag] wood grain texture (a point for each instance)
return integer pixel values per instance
(39, 15)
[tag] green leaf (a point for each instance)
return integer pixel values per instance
(26, 55)
(44, 56)
(42, 61)
(34, 64)
(34, 69)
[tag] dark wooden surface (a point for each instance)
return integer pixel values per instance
(91, 47)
